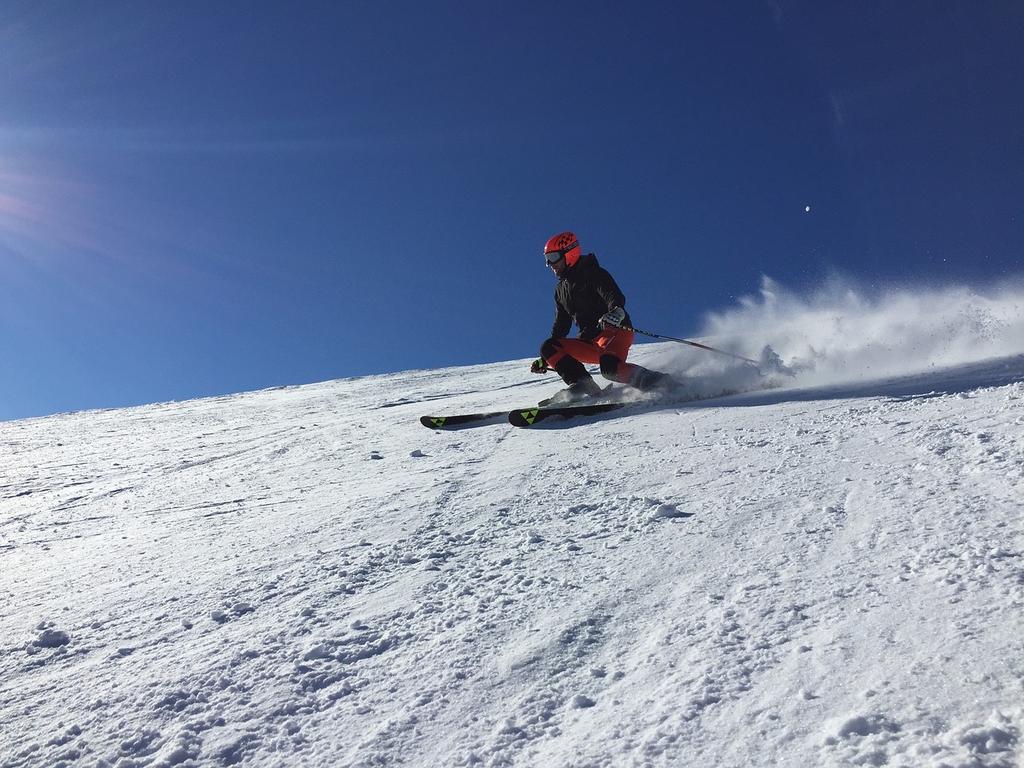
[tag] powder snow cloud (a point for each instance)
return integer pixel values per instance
(842, 332)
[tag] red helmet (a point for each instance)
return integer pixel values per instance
(563, 244)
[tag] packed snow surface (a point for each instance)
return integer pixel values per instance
(809, 575)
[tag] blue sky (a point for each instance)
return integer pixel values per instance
(198, 199)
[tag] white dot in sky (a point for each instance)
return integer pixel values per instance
(807, 209)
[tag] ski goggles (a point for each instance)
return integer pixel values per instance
(553, 257)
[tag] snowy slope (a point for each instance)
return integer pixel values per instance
(307, 576)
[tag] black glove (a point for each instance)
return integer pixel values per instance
(539, 366)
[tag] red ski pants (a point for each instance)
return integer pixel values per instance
(608, 349)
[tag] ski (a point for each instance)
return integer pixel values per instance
(520, 417)
(528, 417)
(531, 415)
(462, 420)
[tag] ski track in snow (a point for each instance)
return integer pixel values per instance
(307, 576)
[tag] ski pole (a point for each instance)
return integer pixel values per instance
(691, 343)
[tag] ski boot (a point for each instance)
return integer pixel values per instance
(651, 381)
(581, 384)
(585, 389)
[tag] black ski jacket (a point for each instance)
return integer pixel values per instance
(585, 291)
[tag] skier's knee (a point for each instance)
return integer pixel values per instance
(549, 348)
(610, 367)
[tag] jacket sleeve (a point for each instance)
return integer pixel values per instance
(563, 321)
(608, 290)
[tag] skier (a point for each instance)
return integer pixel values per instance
(588, 295)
